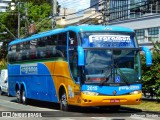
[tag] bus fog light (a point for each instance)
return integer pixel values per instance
(90, 93)
(135, 92)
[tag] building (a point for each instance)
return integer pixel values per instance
(4, 4)
(141, 15)
(71, 17)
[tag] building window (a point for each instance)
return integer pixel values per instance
(140, 33)
(153, 34)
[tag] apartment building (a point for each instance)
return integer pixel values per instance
(4, 4)
(141, 15)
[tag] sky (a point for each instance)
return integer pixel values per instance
(75, 4)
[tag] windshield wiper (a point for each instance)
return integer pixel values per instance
(123, 75)
(106, 75)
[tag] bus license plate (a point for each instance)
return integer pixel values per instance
(114, 100)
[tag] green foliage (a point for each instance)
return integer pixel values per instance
(37, 11)
(151, 75)
(3, 64)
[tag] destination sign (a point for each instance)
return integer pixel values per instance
(109, 38)
(108, 41)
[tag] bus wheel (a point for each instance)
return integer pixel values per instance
(63, 102)
(24, 99)
(18, 95)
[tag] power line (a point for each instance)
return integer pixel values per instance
(100, 2)
(69, 3)
(125, 15)
(84, 9)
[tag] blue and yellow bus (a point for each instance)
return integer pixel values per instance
(88, 65)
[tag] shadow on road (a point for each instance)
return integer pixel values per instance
(42, 104)
(87, 110)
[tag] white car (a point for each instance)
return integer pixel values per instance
(4, 82)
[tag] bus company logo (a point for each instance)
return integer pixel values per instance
(129, 88)
(110, 38)
(29, 69)
(114, 92)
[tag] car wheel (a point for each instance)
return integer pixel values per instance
(1, 93)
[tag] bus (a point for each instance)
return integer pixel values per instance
(85, 66)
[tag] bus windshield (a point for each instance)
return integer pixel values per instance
(112, 66)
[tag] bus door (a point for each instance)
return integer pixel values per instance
(73, 63)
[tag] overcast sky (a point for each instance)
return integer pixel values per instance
(75, 4)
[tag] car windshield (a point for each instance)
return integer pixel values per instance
(112, 66)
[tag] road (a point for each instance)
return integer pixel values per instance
(47, 110)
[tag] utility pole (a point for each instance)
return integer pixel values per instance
(26, 20)
(54, 12)
(19, 19)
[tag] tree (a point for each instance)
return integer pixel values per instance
(37, 11)
(151, 75)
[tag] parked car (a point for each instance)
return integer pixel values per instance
(4, 82)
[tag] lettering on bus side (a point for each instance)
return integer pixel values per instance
(28, 69)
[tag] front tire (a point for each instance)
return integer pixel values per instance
(63, 102)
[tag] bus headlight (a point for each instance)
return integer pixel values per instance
(90, 93)
(135, 92)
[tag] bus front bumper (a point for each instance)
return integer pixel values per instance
(88, 100)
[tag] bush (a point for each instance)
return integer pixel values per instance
(151, 75)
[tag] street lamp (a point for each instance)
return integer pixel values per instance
(13, 7)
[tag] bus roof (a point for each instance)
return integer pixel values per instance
(80, 28)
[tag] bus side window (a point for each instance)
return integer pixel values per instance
(61, 45)
(50, 46)
(41, 48)
(18, 55)
(11, 56)
(51, 51)
(62, 39)
(41, 52)
(32, 50)
(32, 54)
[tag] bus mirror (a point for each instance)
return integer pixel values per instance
(148, 55)
(80, 56)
